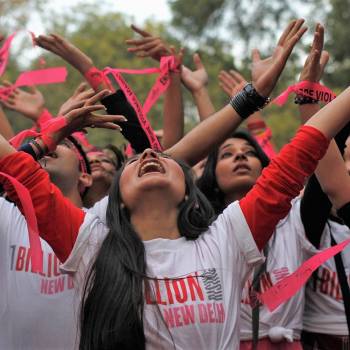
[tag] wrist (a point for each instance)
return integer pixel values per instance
(199, 92)
(35, 115)
(97, 79)
(248, 101)
(43, 118)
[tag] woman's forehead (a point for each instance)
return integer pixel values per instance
(235, 141)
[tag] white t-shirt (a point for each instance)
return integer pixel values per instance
(36, 311)
(324, 309)
(287, 249)
(202, 308)
(100, 209)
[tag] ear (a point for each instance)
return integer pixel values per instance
(85, 180)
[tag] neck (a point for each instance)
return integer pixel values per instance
(69, 190)
(96, 192)
(235, 195)
(155, 222)
(74, 197)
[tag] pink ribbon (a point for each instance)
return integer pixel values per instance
(4, 53)
(36, 77)
(263, 140)
(167, 63)
(306, 88)
(290, 285)
(29, 214)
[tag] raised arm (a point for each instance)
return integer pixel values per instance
(173, 110)
(269, 200)
(265, 73)
(232, 82)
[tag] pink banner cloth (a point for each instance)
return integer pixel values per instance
(306, 88)
(290, 285)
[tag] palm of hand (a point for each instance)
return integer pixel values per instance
(194, 80)
(30, 105)
(261, 67)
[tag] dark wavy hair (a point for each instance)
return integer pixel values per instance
(207, 182)
(113, 299)
(118, 154)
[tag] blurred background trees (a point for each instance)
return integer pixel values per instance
(223, 32)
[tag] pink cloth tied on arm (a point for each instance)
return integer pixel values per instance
(290, 285)
(306, 88)
(95, 78)
(29, 214)
(47, 130)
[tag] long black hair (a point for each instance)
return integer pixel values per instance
(113, 299)
(207, 182)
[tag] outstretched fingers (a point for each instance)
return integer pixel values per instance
(140, 31)
(97, 97)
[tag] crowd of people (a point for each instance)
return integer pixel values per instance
(168, 242)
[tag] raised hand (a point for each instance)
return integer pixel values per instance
(317, 58)
(148, 45)
(30, 104)
(79, 118)
(231, 82)
(195, 80)
(265, 73)
(66, 50)
(78, 99)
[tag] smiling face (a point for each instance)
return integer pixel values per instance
(237, 167)
(102, 167)
(151, 174)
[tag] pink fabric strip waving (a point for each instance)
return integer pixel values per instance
(29, 214)
(290, 285)
(306, 88)
(4, 53)
(36, 77)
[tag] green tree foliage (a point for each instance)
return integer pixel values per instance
(338, 43)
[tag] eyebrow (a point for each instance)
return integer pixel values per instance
(246, 144)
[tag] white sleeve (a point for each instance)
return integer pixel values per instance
(99, 209)
(90, 237)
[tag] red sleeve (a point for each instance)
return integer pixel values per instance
(269, 200)
(58, 219)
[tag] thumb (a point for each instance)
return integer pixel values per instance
(256, 55)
